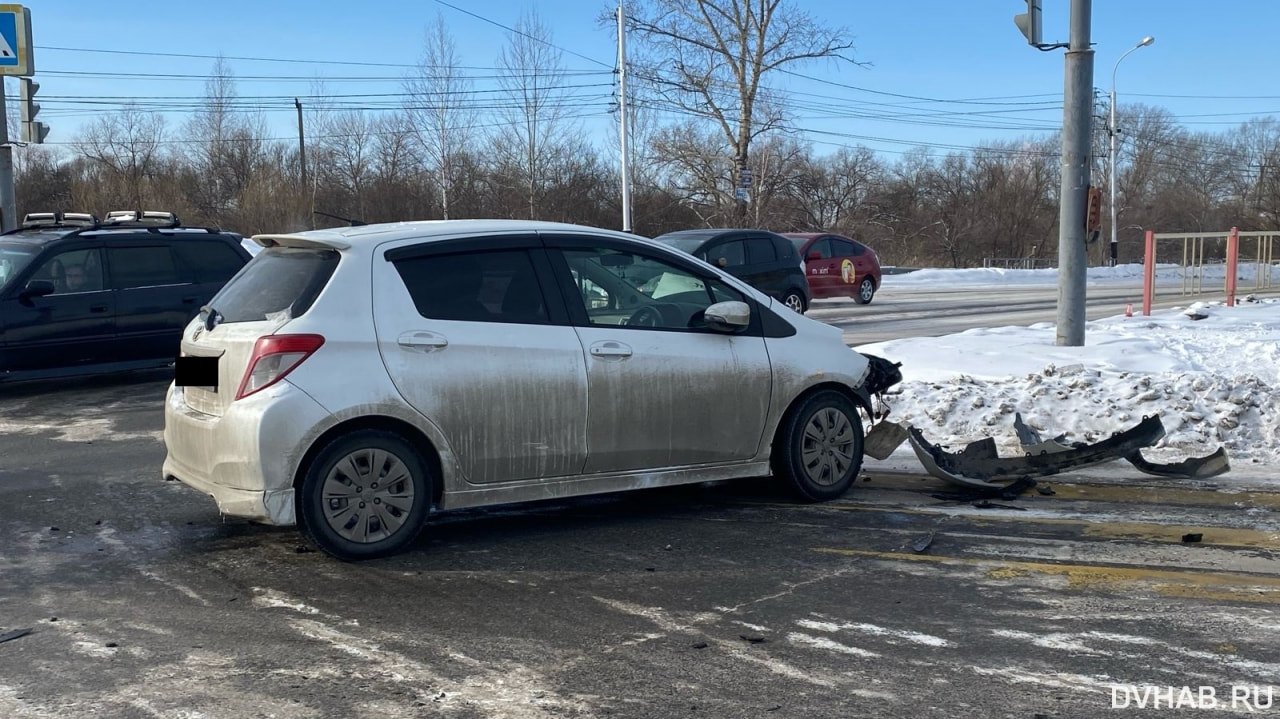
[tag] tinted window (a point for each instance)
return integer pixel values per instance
(670, 299)
(761, 249)
(143, 267)
(844, 248)
(72, 271)
(727, 254)
(208, 261)
(278, 280)
(498, 286)
(13, 257)
(822, 247)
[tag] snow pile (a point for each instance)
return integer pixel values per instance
(1212, 381)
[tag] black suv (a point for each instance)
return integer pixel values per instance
(764, 260)
(80, 296)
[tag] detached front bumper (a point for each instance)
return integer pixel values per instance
(245, 458)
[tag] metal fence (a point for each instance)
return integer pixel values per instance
(1201, 250)
(1020, 263)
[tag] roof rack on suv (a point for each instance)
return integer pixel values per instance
(141, 218)
(34, 220)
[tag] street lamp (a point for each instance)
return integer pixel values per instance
(1111, 130)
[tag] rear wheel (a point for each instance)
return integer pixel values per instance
(866, 290)
(794, 300)
(366, 495)
(819, 446)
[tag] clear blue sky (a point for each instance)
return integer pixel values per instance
(1212, 64)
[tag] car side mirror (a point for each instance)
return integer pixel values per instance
(813, 255)
(731, 316)
(37, 288)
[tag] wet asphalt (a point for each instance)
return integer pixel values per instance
(719, 600)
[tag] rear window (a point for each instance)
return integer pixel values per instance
(279, 279)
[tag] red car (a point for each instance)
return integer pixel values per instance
(837, 266)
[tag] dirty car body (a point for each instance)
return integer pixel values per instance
(368, 376)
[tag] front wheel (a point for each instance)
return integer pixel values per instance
(866, 290)
(819, 446)
(366, 495)
(794, 300)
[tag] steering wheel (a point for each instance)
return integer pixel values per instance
(645, 317)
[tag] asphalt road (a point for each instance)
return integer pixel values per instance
(916, 311)
(723, 600)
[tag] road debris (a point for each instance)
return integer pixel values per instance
(1192, 537)
(922, 543)
(13, 634)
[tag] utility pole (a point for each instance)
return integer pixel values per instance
(302, 148)
(8, 199)
(623, 118)
(1077, 105)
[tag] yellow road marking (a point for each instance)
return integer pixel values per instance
(1170, 582)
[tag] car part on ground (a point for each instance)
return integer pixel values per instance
(978, 465)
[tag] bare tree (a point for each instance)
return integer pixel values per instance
(534, 108)
(226, 146)
(439, 107)
(713, 55)
(125, 148)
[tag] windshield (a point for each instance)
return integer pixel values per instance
(14, 256)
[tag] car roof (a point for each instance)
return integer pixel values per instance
(45, 235)
(342, 238)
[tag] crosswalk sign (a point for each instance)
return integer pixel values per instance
(15, 41)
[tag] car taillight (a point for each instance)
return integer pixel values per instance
(273, 358)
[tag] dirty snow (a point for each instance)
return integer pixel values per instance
(1213, 381)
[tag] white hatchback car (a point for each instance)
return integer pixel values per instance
(368, 376)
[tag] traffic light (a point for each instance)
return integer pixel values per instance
(32, 132)
(1029, 22)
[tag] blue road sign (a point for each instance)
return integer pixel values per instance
(15, 41)
(8, 39)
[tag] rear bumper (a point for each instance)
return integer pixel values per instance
(246, 458)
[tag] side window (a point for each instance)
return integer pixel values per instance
(143, 267)
(760, 250)
(667, 298)
(842, 248)
(73, 271)
(594, 296)
(208, 261)
(728, 254)
(822, 247)
(859, 249)
(720, 292)
(497, 286)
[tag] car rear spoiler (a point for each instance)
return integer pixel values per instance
(331, 242)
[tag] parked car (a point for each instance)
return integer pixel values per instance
(838, 266)
(80, 296)
(352, 381)
(767, 261)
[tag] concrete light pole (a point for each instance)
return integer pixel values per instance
(1112, 131)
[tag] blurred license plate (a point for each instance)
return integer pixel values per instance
(196, 372)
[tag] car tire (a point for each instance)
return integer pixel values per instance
(818, 449)
(866, 290)
(794, 300)
(365, 495)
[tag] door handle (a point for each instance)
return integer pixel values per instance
(422, 340)
(189, 300)
(97, 308)
(607, 349)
